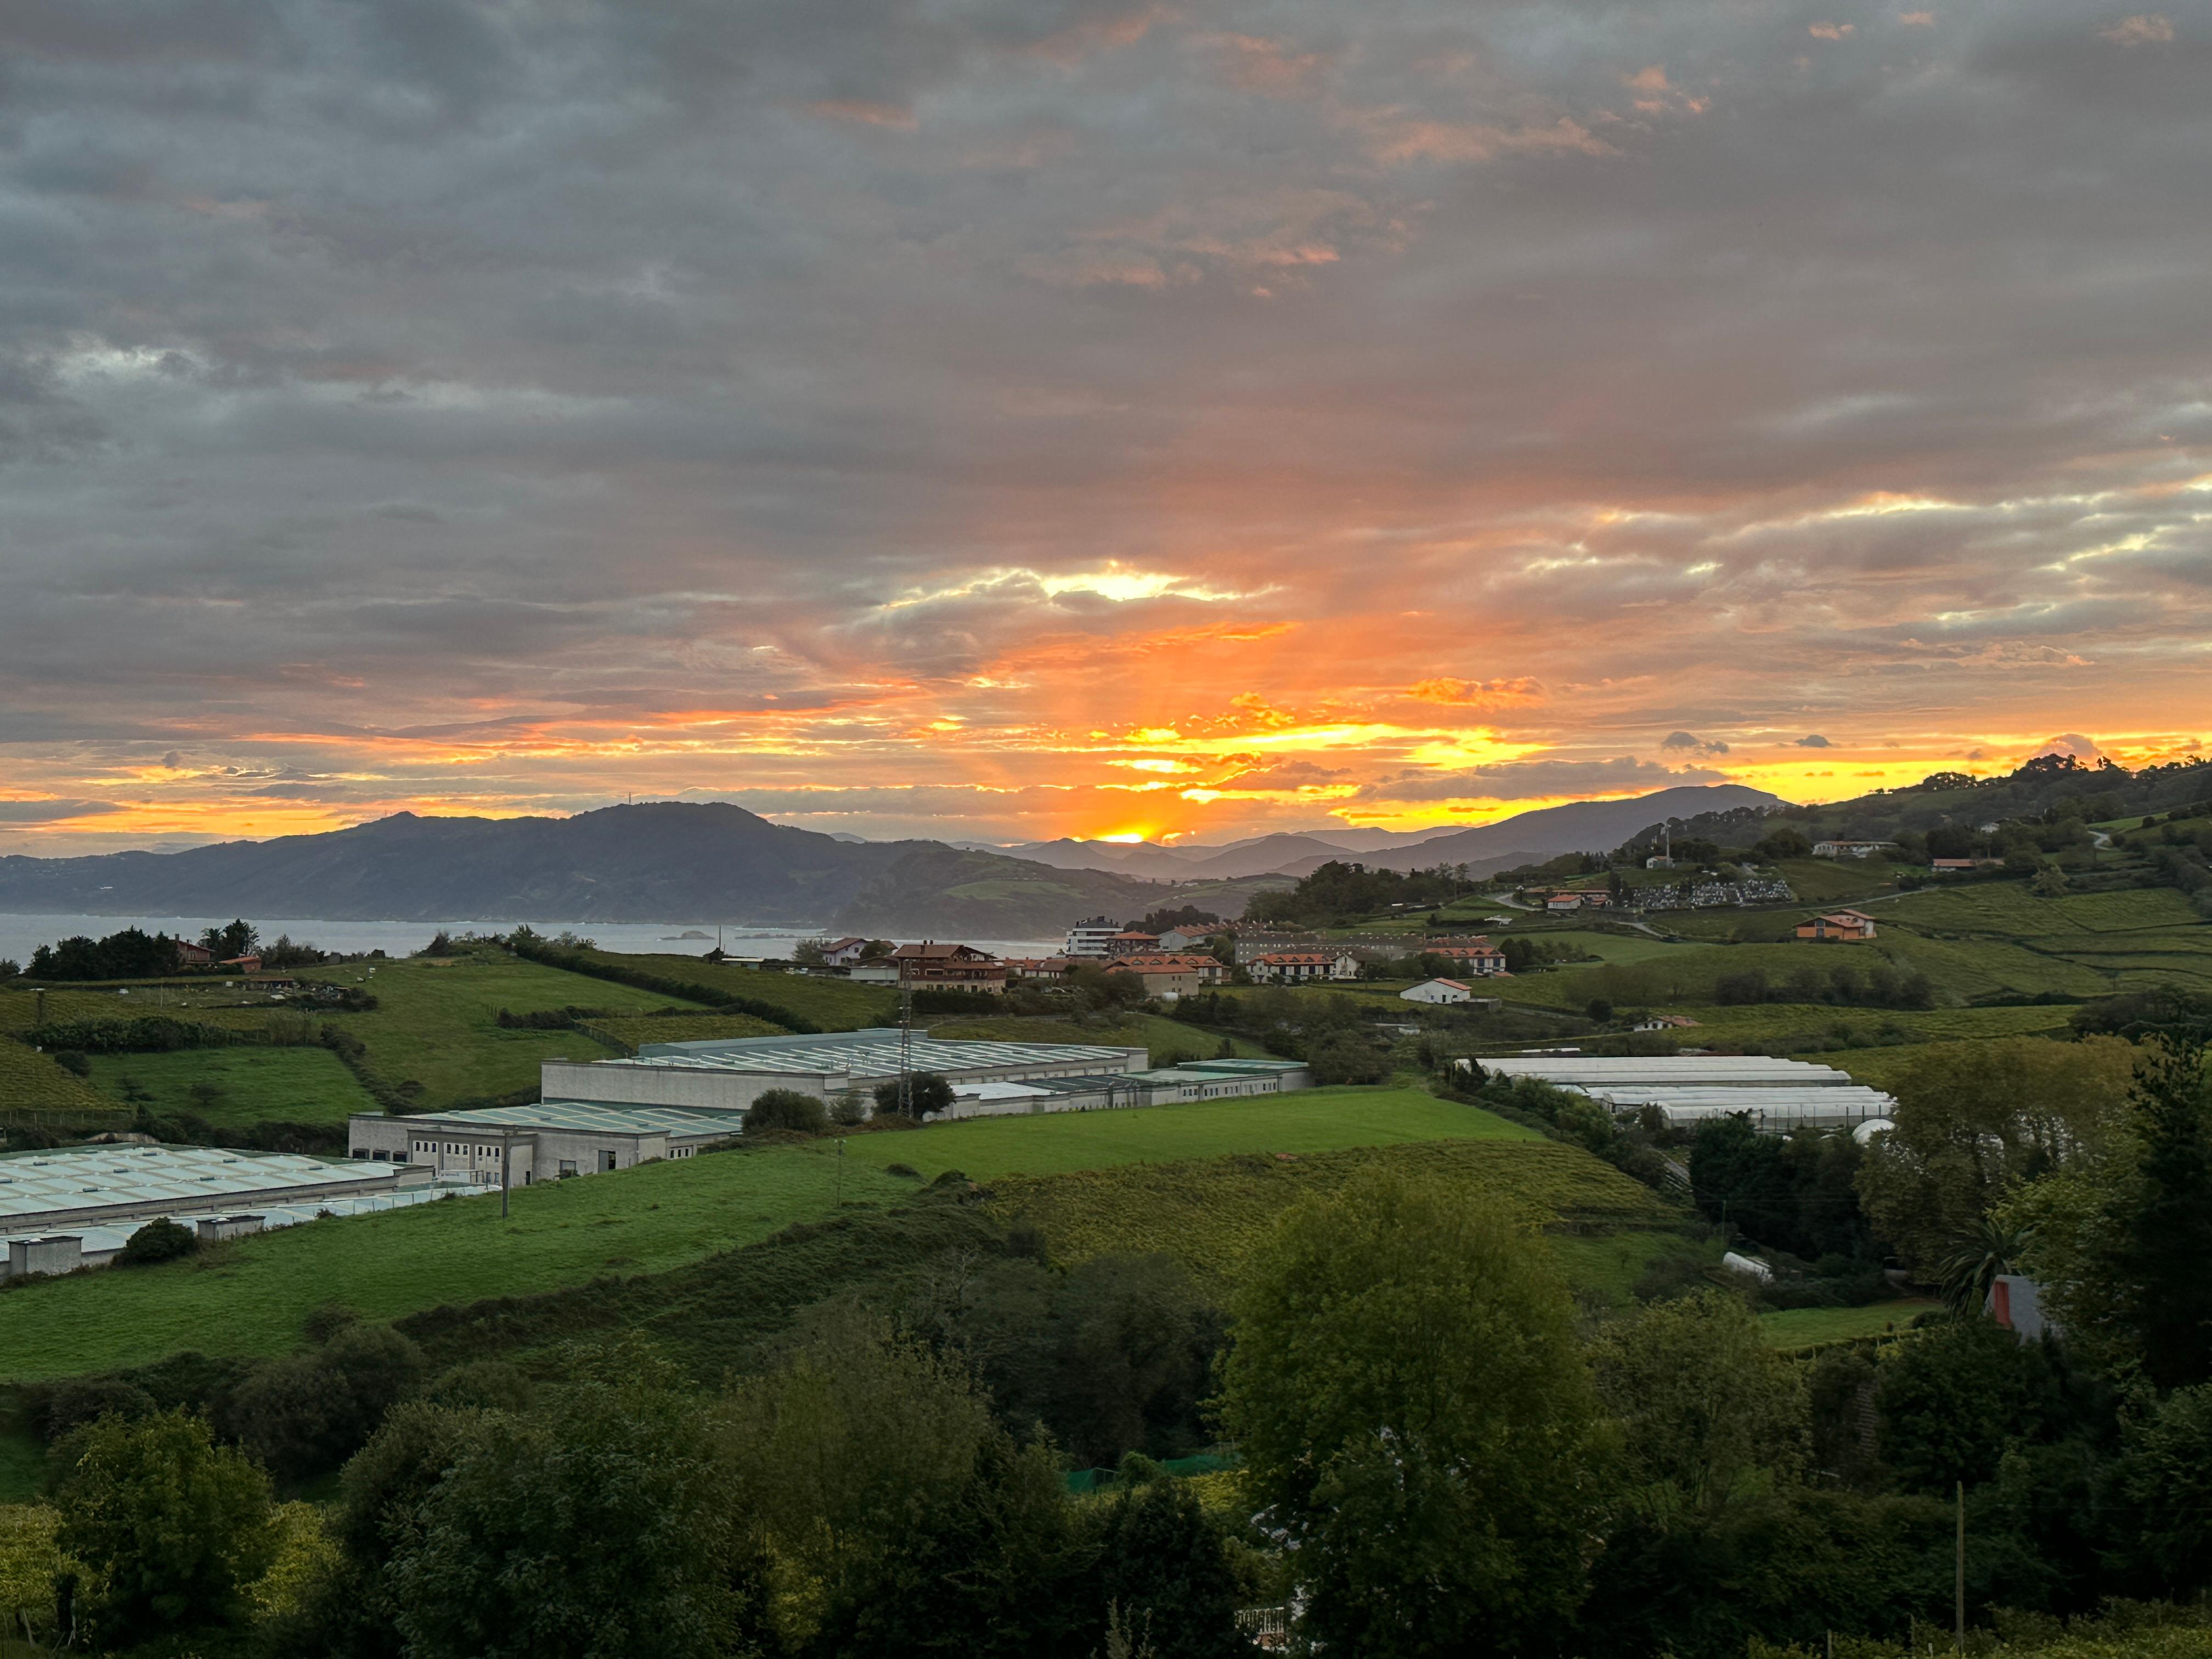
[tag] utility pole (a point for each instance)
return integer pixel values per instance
(1959, 1627)
(905, 1047)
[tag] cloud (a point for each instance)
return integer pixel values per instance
(1831, 31)
(2073, 744)
(1690, 742)
(53, 811)
(427, 413)
(2150, 28)
(1539, 780)
(1812, 740)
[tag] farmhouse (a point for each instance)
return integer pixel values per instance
(1473, 956)
(1838, 925)
(1851, 849)
(1437, 992)
(932, 966)
(843, 952)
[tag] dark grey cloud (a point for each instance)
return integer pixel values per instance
(1689, 743)
(1812, 740)
(1538, 780)
(398, 367)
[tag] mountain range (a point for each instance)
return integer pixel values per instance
(684, 861)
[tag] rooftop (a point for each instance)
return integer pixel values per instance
(584, 1115)
(872, 1053)
(192, 1177)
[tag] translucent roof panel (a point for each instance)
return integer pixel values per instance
(91, 1177)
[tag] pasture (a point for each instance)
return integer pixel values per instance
(235, 1087)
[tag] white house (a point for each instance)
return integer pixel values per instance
(1436, 991)
(1193, 938)
(1850, 849)
(843, 952)
(1295, 966)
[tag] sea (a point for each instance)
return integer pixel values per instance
(22, 934)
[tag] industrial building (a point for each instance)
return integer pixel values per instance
(676, 1098)
(728, 1075)
(1775, 1095)
(1165, 1086)
(76, 1207)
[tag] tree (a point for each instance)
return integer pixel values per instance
(1599, 1011)
(787, 1109)
(2166, 1478)
(603, 1528)
(1705, 1405)
(2166, 1219)
(2050, 882)
(1951, 1400)
(1164, 1568)
(1345, 1057)
(1417, 1419)
(1975, 1125)
(170, 1526)
(308, 1412)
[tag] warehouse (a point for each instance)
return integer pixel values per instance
(77, 1207)
(537, 1143)
(1775, 1095)
(1166, 1085)
(729, 1075)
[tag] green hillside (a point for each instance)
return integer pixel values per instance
(232, 1088)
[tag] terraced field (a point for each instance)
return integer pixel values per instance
(1162, 1037)
(834, 1005)
(632, 1031)
(31, 1082)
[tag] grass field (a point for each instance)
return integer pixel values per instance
(634, 1031)
(1766, 1022)
(1801, 1327)
(435, 1021)
(1059, 1143)
(248, 1295)
(1210, 1213)
(255, 1085)
(834, 1005)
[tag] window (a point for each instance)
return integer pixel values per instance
(567, 1166)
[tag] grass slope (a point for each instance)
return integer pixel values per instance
(1803, 1328)
(436, 1023)
(1210, 1214)
(256, 1084)
(834, 1005)
(31, 1082)
(633, 1031)
(1312, 1120)
(249, 1296)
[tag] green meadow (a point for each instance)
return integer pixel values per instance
(233, 1087)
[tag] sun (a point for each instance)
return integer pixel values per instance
(1125, 836)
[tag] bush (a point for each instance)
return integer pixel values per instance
(306, 1414)
(159, 1240)
(787, 1109)
(932, 1093)
(74, 1060)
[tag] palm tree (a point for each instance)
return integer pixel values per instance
(1968, 1272)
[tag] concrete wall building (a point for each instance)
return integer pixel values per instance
(728, 1075)
(1167, 1085)
(1094, 938)
(76, 1206)
(1437, 992)
(535, 1143)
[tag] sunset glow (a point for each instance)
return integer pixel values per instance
(1176, 424)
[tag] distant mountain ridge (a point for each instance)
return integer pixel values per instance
(657, 861)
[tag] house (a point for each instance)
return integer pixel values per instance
(1851, 849)
(1659, 862)
(1193, 938)
(1475, 955)
(1168, 975)
(1944, 867)
(1838, 925)
(1296, 966)
(1051, 969)
(1436, 992)
(193, 956)
(1560, 901)
(934, 967)
(1131, 943)
(241, 964)
(843, 952)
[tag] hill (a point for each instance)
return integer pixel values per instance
(660, 862)
(1584, 826)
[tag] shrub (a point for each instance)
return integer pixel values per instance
(159, 1240)
(787, 1109)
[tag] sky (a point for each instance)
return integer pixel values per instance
(1004, 419)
